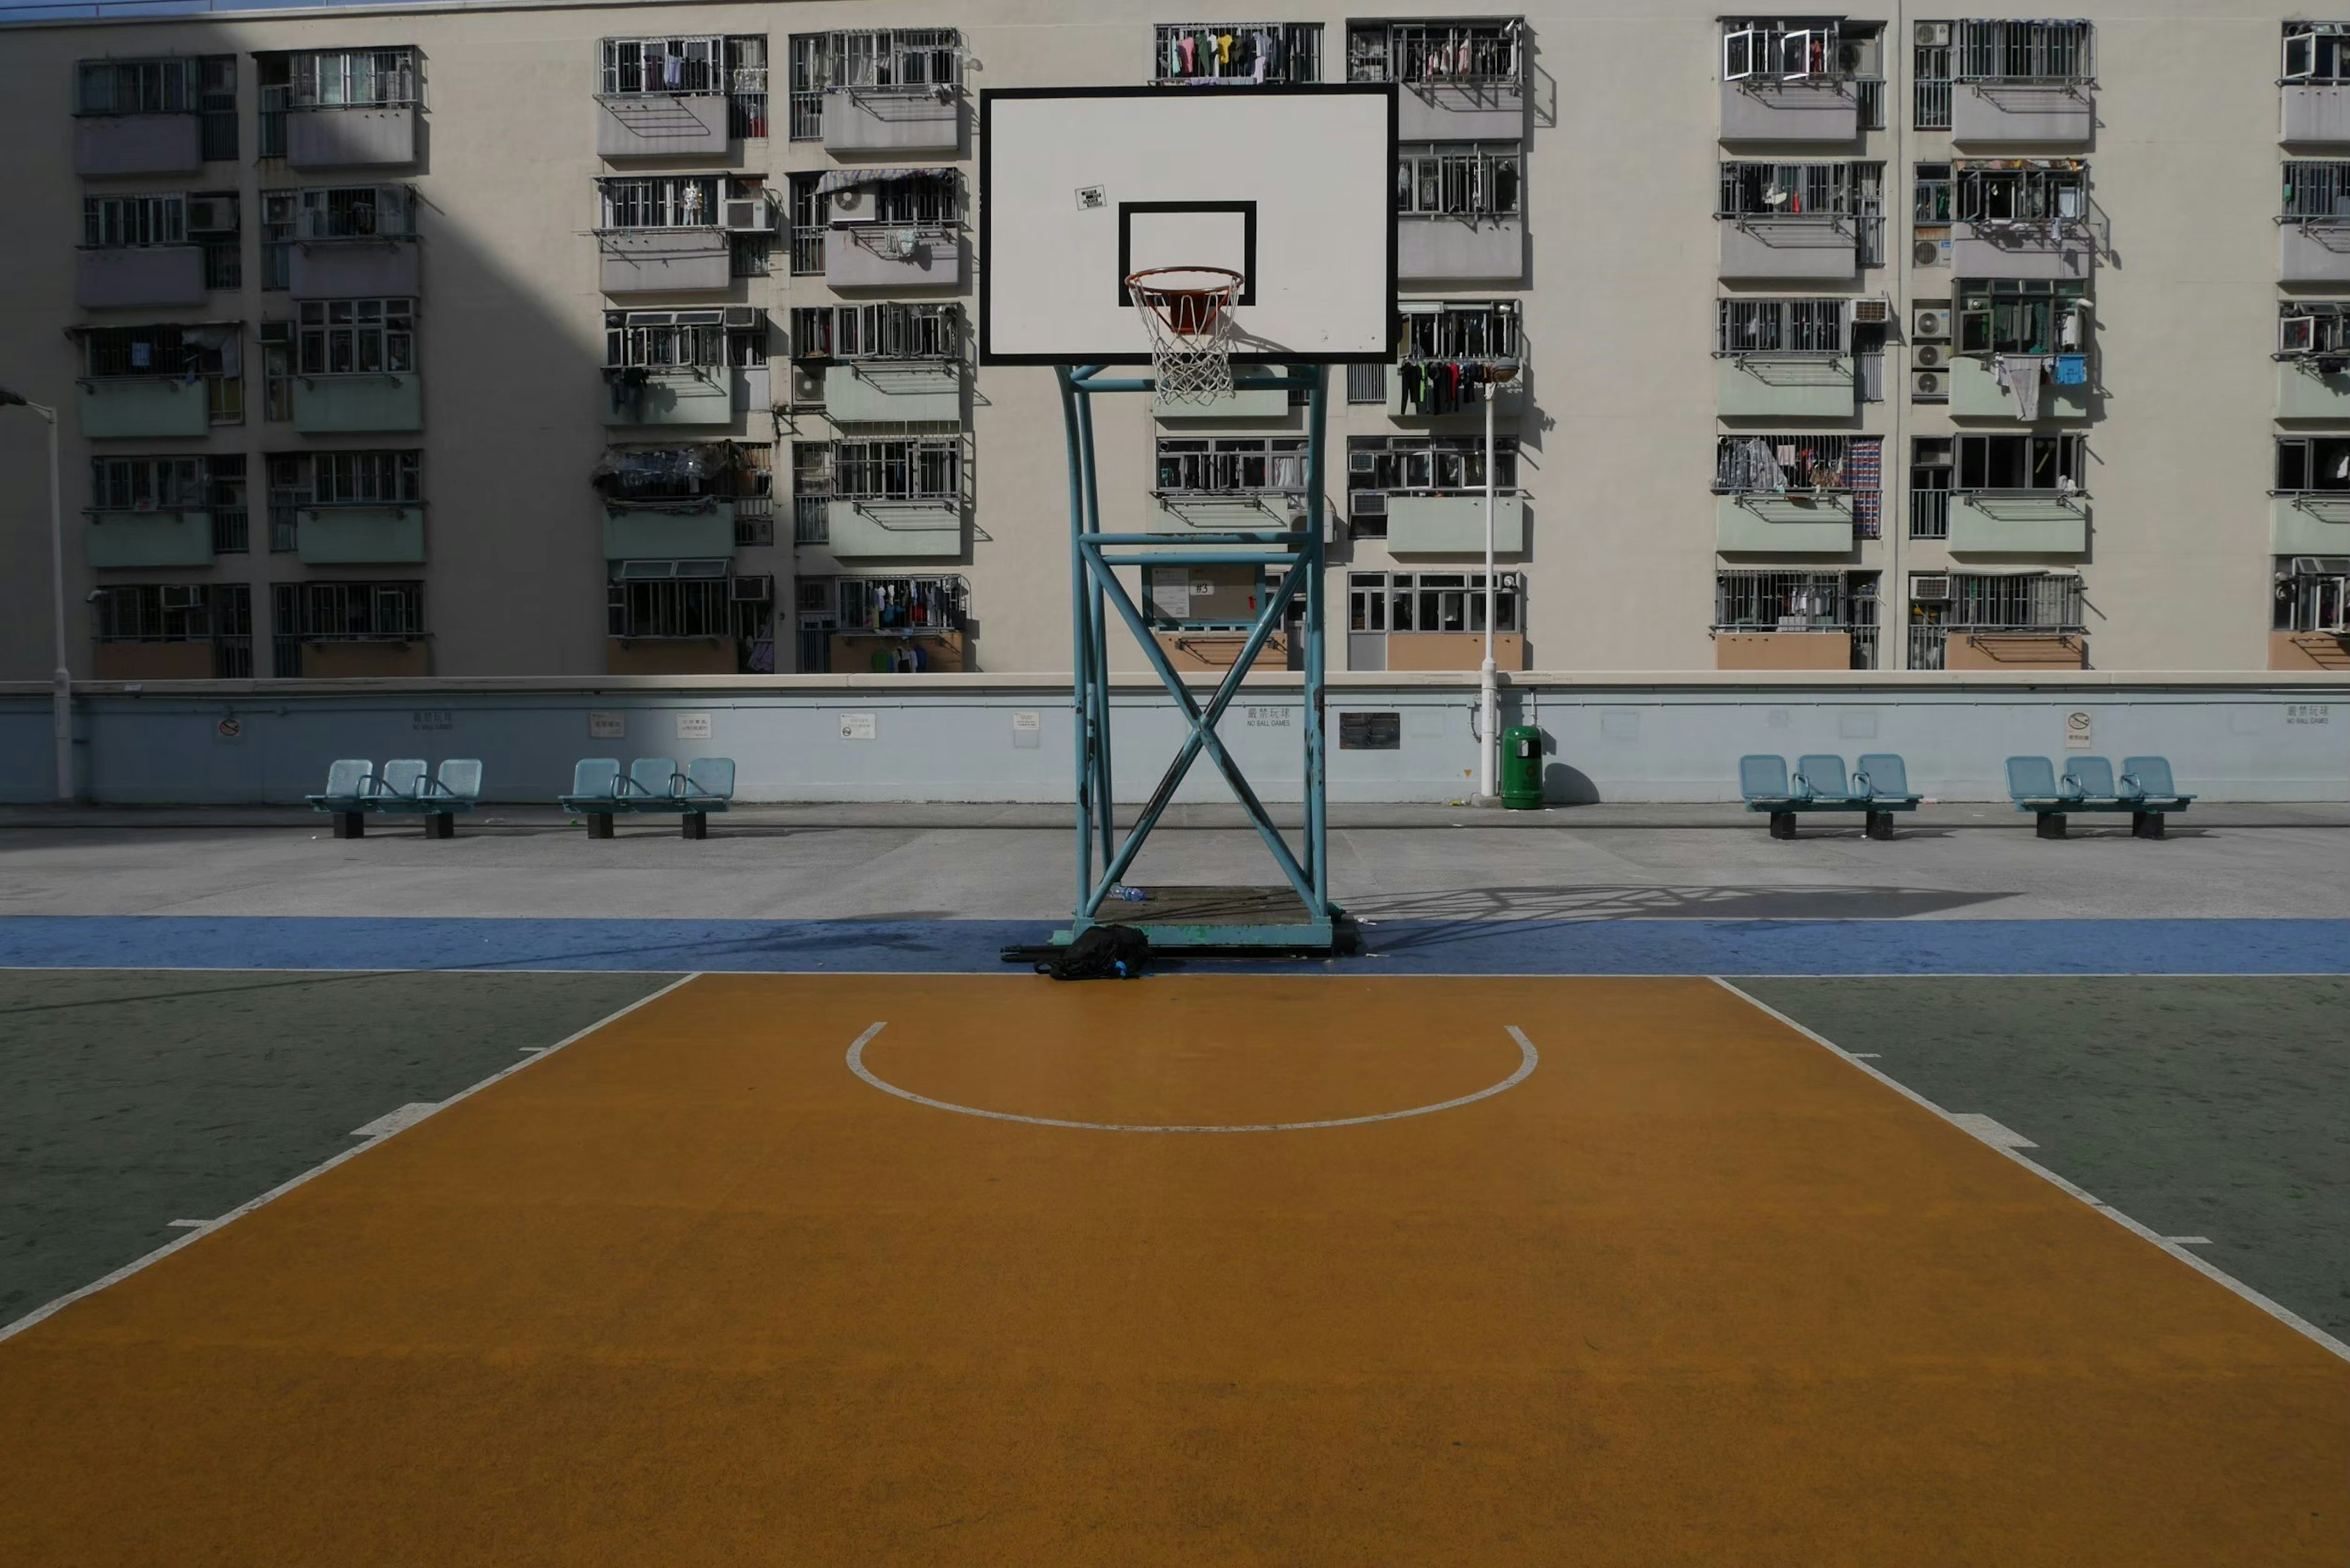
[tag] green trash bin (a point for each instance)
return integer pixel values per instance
(1522, 768)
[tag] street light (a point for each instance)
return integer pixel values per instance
(1488, 699)
(61, 677)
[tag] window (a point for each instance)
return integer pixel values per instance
(1931, 464)
(706, 64)
(2022, 315)
(1463, 53)
(1236, 466)
(2315, 328)
(2020, 462)
(330, 212)
(877, 332)
(2316, 189)
(870, 60)
(930, 198)
(651, 476)
(1464, 330)
(1430, 601)
(1930, 66)
(2313, 463)
(713, 339)
(1802, 326)
(2315, 53)
(2312, 595)
(1467, 179)
(348, 612)
(1236, 52)
(276, 369)
(1767, 464)
(2011, 601)
(902, 604)
(356, 336)
(1429, 464)
(1792, 601)
(917, 468)
(108, 222)
(148, 483)
(2019, 51)
(212, 352)
(2022, 191)
(1931, 197)
(367, 477)
(662, 201)
(1753, 190)
(1822, 50)
(351, 79)
(681, 606)
(141, 86)
(217, 613)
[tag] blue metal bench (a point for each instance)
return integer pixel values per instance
(600, 791)
(405, 786)
(2145, 790)
(1880, 787)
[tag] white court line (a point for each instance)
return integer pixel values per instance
(206, 1227)
(2174, 1246)
(1528, 1060)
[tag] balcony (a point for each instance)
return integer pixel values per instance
(1790, 111)
(660, 125)
(1454, 524)
(2304, 522)
(116, 407)
(881, 255)
(1782, 649)
(139, 274)
(1784, 524)
(364, 400)
(893, 391)
(1509, 399)
(1824, 249)
(665, 261)
(1976, 394)
(372, 268)
(352, 536)
(1784, 386)
(165, 538)
(2062, 251)
(329, 137)
(674, 395)
(1245, 402)
(2314, 251)
(138, 144)
(2018, 522)
(2306, 390)
(893, 120)
(1988, 649)
(883, 528)
(679, 531)
(1461, 250)
(2314, 114)
(1491, 110)
(1224, 511)
(2037, 114)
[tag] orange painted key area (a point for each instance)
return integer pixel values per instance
(691, 1292)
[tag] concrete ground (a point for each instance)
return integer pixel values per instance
(1016, 863)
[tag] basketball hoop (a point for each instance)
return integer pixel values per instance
(1188, 312)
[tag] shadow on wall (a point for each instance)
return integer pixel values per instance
(497, 558)
(1609, 902)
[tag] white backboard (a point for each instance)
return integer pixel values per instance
(1292, 186)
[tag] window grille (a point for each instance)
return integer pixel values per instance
(1766, 601)
(1484, 330)
(1756, 190)
(1795, 326)
(2316, 54)
(217, 613)
(356, 336)
(1236, 466)
(706, 65)
(2311, 600)
(915, 468)
(1236, 52)
(1929, 77)
(809, 221)
(2024, 463)
(1930, 467)
(1436, 54)
(2021, 51)
(352, 78)
(219, 100)
(928, 198)
(881, 331)
(1450, 180)
(2022, 191)
(750, 255)
(713, 339)
(1979, 602)
(1436, 465)
(113, 222)
(695, 472)
(1767, 464)
(148, 483)
(212, 352)
(1430, 601)
(1930, 199)
(343, 612)
(2022, 315)
(141, 86)
(367, 477)
(659, 202)
(902, 604)
(2315, 189)
(900, 59)
(672, 607)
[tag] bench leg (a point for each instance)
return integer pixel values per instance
(2146, 825)
(2051, 824)
(600, 824)
(695, 825)
(350, 824)
(1878, 824)
(440, 825)
(1783, 825)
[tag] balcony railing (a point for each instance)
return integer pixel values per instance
(232, 535)
(754, 521)
(810, 520)
(1929, 513)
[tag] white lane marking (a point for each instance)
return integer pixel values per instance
(1528, 1060)
(186, 1224)
(2189, 1240)
(396, 1120)
(2277, 1310)
(1989, 1131)
(1864, 1055)
(207, 1227)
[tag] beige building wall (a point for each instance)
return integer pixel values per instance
(1623, 148)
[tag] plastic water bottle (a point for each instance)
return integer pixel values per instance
(1131, 895)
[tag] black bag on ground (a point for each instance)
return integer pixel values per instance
(1100, 953)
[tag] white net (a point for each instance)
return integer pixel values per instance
(1187, 313)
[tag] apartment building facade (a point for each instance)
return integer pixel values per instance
(618, 338)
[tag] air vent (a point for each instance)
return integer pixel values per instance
(1929, 591)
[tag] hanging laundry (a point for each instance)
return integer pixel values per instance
(1183, 52)
(1223, 51)
(2072, 369)
(2021, 375)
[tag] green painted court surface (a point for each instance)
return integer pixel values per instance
(131, 1098)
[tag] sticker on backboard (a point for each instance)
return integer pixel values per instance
(1091, 197)
(693, 726)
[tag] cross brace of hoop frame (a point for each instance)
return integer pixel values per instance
(1096, 591)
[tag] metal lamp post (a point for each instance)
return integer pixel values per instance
(1489, 696)
(61, 677)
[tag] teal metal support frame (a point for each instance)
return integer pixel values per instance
(1096, 596)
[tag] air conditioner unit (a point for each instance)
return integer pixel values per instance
(211, 214)
(742, 315)
(1934, 34)
(750, 215)
(1368, 503)
(1929, 356)
(757, 590)
(182, 596)
(1929, 386)
(853, 203)
(1926, 253)
(807, 387)
(1932, 321)
(1875, 310)
(1929, 591)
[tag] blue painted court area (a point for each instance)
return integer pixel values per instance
(1493, 947)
